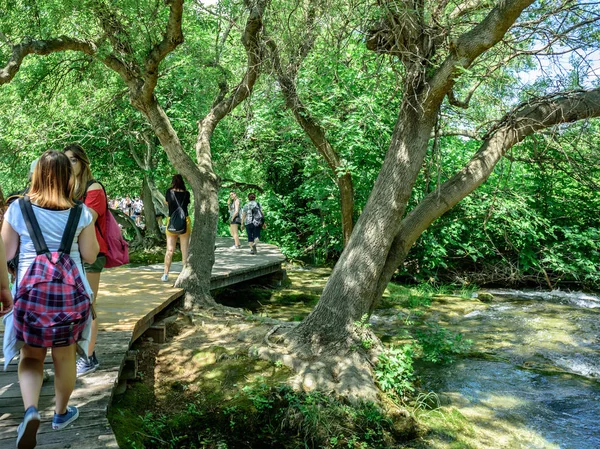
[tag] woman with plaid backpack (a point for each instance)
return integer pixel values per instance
(54, 236)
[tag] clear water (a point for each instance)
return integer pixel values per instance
(533, 377)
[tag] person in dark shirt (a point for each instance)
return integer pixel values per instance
(177, 195)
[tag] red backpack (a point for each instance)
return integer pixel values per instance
(118, 248)
(51, 305)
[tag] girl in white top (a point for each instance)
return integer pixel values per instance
(51, 195)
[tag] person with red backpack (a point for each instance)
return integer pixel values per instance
(93, 196)
(52, 298)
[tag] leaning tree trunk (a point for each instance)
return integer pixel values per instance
(350, 291)
(329, 333)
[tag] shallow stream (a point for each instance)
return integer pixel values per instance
(532, 376)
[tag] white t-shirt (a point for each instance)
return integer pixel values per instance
(52, 224)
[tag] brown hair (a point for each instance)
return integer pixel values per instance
(85, 174)
(52, 182)
(251, 196)
(177, 183)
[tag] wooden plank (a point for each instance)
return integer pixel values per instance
(129, 300)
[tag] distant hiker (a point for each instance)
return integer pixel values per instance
(253, 218)
(92, 194)
(178, 223)
(53, 234)
(137, 206)
(235, 218)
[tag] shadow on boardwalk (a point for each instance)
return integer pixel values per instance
(129, 299)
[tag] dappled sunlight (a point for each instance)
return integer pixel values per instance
(209, 359)
(128, 301)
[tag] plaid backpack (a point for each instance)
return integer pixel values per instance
(51, 306)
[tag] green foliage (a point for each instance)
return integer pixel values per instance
(535, 218)
(434, 343)
(270, 416)
(394, 370)
(362, 327)
(534, 221)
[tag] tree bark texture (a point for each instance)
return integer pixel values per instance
(355, 283)
(351, 288)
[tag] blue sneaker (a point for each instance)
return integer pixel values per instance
(27, 431)
(62, 421)
(85, 367)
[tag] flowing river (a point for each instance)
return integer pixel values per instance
(532, 376)
(530, 380)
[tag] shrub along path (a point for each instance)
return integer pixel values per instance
(129, 300)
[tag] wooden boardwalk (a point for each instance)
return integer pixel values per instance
(129, 300)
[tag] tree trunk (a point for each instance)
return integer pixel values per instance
(330, 333)
(351, 289)
(197, 269)
(347, 202)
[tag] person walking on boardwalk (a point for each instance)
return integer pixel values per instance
(52, 234)
(253, 218)
(93, 196)
(178, 223)
(235, 218)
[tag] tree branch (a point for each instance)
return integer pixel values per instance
(251, 39)
(42, 47)
(523, 121)
(172, 38)
(472, 44)
(464, 8)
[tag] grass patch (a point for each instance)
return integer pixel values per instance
(447, 428)
(261, 415)
(124, 414)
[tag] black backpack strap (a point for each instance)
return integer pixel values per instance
(70, 229)
(33, 227)
(175, 198)
(87, 186)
